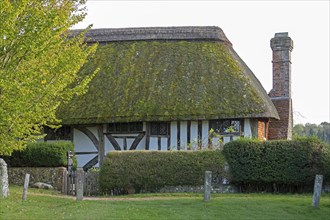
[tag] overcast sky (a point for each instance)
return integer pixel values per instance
(249, 25)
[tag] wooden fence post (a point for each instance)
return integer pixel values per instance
(317, 190)
(26, 185)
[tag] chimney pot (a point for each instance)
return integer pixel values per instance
(282, 34)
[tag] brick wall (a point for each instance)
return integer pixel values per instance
(263, 130)
(282, 129)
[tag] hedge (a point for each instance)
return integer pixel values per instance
(149, 171)
(277, 165)
(41, 154)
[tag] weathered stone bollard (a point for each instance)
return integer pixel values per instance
(4, 186)
(79, 184)
(207, 185)
(26, 186)
(65, 182)
(317, 190)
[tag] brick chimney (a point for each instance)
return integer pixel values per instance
(280, 95)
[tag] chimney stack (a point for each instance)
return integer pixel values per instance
(282, 46)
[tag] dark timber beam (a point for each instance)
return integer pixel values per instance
(137, 141)
(101, 144)
(113, 141)
(147, 135)
(90, 135)
(90, 163)
(178, 135)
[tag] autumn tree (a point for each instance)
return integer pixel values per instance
(39, 62)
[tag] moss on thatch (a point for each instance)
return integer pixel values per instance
(167, 80)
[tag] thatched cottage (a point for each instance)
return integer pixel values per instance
(165, 88)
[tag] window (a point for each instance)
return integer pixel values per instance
(125, 127)
(226, 126)
(62, 133)
(159, 128)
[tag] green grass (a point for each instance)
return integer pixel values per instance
(41, 204)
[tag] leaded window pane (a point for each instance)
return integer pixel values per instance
(111, 127)
(234, 127)
(226, 126)
(154, 128)
(159, 128)
(125, 127)
(163, 128)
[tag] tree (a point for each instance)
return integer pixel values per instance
(321, 131)
(39, 62)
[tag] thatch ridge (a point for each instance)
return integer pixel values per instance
(204, 33)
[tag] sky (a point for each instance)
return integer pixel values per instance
(249, 25)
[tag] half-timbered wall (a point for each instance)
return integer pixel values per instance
(85, 149)
(182, 135)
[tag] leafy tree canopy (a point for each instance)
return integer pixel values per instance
(321, 131)
(38, 65)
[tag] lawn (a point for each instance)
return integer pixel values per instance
(41, 204)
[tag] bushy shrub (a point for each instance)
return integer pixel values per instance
(152, 170)
(41, 154)
(277, 165)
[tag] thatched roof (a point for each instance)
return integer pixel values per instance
(163, 74)
(154, 33)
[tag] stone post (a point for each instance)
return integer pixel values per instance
(63, 180)
(79, 184)
(26, 186)
(317, 190)
(4, 187)
(207, 185)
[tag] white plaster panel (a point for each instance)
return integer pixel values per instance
(83, 159)
(215, 142)
(94, 131)
(120, 141)
(174, 135)
(142, 144)
(226, 139)
(183, 134)
(163, 143)
(129, 142)
(194, 133)
(247, 128)
(81, 142)
(107, 145)
(205, 133)
(153, 144)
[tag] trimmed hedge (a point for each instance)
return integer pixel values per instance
(152, 170)
(285, 166)
(41, 154)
